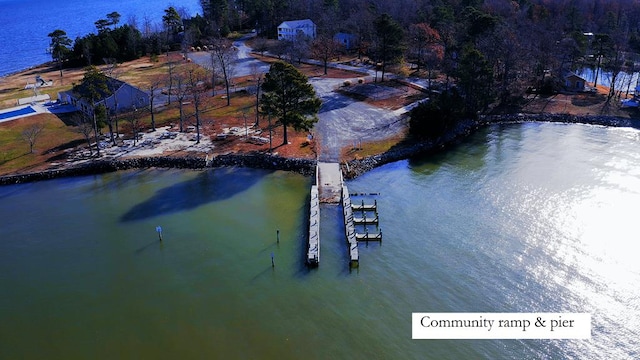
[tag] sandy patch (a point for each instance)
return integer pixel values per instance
(163, 141)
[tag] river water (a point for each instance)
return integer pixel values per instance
(518, 218)
(26, 24)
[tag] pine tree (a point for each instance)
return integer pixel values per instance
(288, 96)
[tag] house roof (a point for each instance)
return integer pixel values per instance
(112, 85)
(297, 24)
(574, 76)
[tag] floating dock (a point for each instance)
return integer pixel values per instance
(366, 207)
(364, 220)
(367, 220)
(369, 237)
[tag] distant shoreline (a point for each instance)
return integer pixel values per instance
(47, 64)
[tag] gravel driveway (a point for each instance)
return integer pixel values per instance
(342, 120)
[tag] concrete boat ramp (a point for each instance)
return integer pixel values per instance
(330, 189)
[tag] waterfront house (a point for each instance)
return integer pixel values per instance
(122, 97)
(289, 30)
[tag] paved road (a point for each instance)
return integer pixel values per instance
(245, 63)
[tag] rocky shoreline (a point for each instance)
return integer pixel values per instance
(351, 169)
(259, 161)
(358, 167)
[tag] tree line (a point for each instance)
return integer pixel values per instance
(490, 51)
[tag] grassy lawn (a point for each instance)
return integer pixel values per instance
(215, 114)
(371, 148)
(14, 150)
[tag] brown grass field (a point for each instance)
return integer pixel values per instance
(57, 137)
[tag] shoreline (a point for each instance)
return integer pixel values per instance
(464, 129)
(47, 64)
(351, 169)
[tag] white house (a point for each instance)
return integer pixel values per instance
(123, 97)
(289, 30)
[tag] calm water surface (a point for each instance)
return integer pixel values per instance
(523, 218)
(25, 24)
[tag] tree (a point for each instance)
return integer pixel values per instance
(257, 77)
(60, 47)
(196, 77)
(153, 86)
(93, 87)
(172, 22)
(102, 25)
(226, 56)
(435, 117)
(604, 49)
(422, 39)
(133, 118)
(112, 116)
(114, 18)
(475, 76)
(85, 127)
(181, 92)
(325, 48)
(171, 67)
(427, 47)
(31, 134)
(389, 40)
(288, 96)
(217, 12)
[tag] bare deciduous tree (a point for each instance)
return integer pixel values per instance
(31, 134)
(84, 126)
(325, 48)
(196, 77)
(181, 91)
(153, 86)
(257, 76)
(226, 55)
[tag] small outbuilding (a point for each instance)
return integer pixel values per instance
(347, 40)
(573, 82)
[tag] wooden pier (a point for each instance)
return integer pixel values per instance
(313, 251)
(329, 188)
(349, 228)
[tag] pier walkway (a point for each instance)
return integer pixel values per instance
(313, 252)
(349, 227)
(331, 189)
